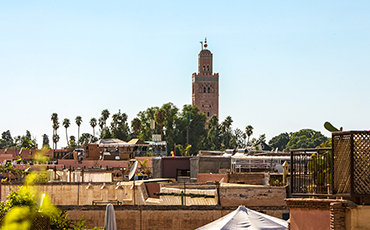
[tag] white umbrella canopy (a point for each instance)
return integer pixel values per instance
(244, 218)
(110, 218)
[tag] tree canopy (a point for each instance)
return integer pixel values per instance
(306, 138)
(279, 141)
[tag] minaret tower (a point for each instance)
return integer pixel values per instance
(205, 84)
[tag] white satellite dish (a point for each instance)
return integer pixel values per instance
(132, 171)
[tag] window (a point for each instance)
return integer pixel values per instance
(207, 114)
(204, 68)
(209, 90)
(204, 89)
(207, 67)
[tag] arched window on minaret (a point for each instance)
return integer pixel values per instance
(207, 67)
(209, 90)
(204, 68)
(204, 89)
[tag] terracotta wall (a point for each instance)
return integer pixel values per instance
(252, 195)
(85, 193)
(247, 178)
(92, 163)
(321, 214)
(358, 217)
(205, 177)
(151, 217)
(309, 219)
(170, 165)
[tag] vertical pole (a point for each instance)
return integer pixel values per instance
(351, 163)
(291, 172)
(78, 193)
(187, 135)
(332, 161)
(184, 194)
(134, 191)
(182, 197)
(218, 193)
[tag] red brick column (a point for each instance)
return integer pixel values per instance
(337, 216)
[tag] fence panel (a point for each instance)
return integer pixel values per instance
(311, 172)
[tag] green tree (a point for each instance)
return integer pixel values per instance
(197, 131)
(106, 134)
(25, 142)
(213, 141)
(306, 138)
(145, 118)
(262, 138)
(56, 139)
(239, 137)
(119, 127)
(66, 124)
(144, 168)
(136, 126)
(72, 142)
(45, 142)
(86, 138)
(93, 123)
(227, 139)
(169, 135)
(6, 140)
(101, 125)
(105, 115)
(78, 120)
(280, 141)
(184, 151)
(55, 121)
(249, 132)
(160, 119)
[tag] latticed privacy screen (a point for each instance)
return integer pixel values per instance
(351, 163)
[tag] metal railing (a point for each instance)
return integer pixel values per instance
(311, 172)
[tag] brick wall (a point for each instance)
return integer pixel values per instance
(247, 178)
(320, 214)
(151, 217)
(205, 177)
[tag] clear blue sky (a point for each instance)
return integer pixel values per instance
(283, 65)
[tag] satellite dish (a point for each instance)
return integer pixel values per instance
(132, 171)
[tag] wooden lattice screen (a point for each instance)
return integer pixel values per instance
(351, 163)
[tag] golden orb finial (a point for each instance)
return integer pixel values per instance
(205, 43)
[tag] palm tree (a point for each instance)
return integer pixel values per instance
(101, 124)
(105, 115)
(56, 139)
(213, 121)
(226, 124)
(54, 119)
(93, 123)
(160, 118)
(136, 125)
(144, 167)
(249, 132)
(184, 151)
(78, 122)
(66, 124)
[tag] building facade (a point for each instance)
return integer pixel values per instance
(205, 84)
